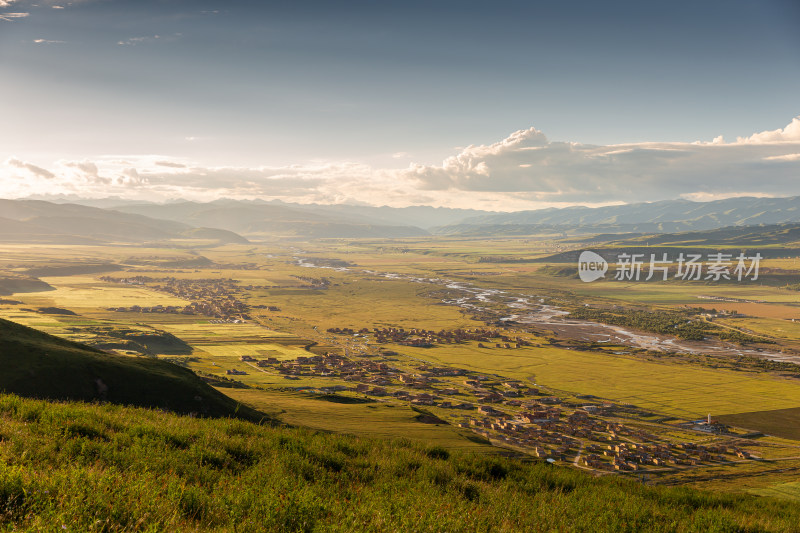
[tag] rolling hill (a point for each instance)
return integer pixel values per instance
(38, 365)
(275, 220)
(36, 221)
(81, 467)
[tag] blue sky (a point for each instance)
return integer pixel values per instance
(278, 98)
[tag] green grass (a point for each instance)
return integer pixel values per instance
(372, 419)
(789, 491)
(366, 302)
(782, 329)
(39, 365)
(78, 467)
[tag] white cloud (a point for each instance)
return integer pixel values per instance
(790, 133)
(10, 17)
(133, 41)
(30, 167)
(20, 178)
(527, 162)
(785, 157)
(171, 164)
(81, 174)
(46, 41)
(146, 39)
(710, 197)
(6, 3)
(523, 171)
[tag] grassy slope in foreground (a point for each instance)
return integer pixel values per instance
(35, 364)
(81, 467)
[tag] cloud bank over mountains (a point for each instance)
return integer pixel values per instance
(547, 171)
(526, 170)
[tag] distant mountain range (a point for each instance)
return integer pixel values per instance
(766, 235)
(420, 216)
(235, 221)
(250, 218)
(38, 221)
(277, 220)
(656, 217)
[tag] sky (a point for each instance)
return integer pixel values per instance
(501, 106)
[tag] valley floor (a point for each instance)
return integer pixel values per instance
(425, 340)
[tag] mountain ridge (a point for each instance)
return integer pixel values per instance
(259, 218)
(740, 211)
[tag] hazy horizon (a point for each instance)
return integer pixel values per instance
(112, 201)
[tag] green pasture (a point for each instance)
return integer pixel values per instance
(671, 389)
(787, 491)
(782, 329)
(374, 419)
(256, 350)
(685, 293)
(203, 331)
(31, 319)
(363, 302)
(782, 422)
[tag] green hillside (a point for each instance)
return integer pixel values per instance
(34, 364)
(81, 467)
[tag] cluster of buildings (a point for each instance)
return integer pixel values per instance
(210, 297)
(540, 427)
(509, 411)
(546, 432)
(313, 283)
(419, 337)
(629, 456)
(147, 309)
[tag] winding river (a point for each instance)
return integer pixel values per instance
(534, 312)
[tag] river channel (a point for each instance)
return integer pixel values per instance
(532, 311)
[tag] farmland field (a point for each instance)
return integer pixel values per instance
(88, 297)
(676, 390)
(780, 422)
